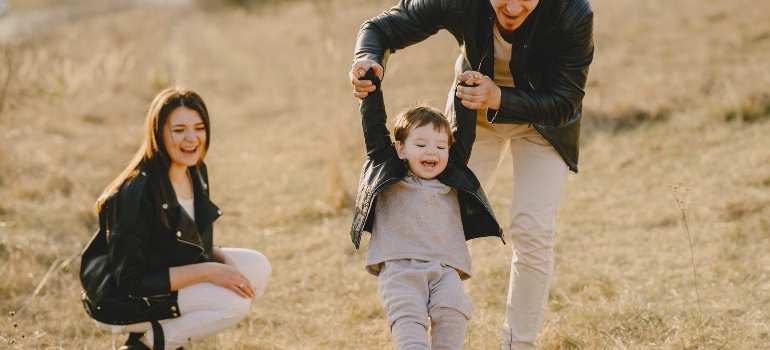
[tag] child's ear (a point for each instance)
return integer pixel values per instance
(400, 149)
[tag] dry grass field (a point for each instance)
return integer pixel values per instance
(679, 92)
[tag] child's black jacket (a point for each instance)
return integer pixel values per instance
(383, 168)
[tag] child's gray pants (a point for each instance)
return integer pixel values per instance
(413, 290)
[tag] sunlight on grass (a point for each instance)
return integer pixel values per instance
(287, 149)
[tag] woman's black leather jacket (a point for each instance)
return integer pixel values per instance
(549, 61)
(125, 268)
(383, 168)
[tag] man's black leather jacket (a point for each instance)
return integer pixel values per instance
(383, 168)
(549, 61)
(125, 268)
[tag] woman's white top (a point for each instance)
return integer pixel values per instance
(188, 205)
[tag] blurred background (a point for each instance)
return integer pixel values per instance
(679, 91)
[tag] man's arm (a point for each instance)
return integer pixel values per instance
(559, 97)
(408, 23)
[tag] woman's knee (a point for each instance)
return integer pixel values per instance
(254, 265)
(238, 309)
(230, 306)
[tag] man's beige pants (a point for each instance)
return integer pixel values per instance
(538, 178)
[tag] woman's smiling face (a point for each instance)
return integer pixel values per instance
(184, 136)
(511, 14)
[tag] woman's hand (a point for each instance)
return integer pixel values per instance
(362, 88)
(223, 275)
(229, 277)
(484, 95)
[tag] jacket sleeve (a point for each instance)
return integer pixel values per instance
(408, 23)
(564, 79)
(131, 246)
(463, 129)
(373, 119)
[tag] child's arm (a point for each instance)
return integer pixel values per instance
(463, 127)
(373, 119)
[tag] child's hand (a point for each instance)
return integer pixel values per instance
(471, 77)
(362, 88)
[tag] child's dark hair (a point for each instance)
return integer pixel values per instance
(418, 117)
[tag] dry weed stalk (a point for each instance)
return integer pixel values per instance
(680, 195)
(52, 270)
(22, 335)
(7, 80)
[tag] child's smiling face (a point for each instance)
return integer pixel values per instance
(426, 151)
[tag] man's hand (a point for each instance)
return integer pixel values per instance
(362, 88)
(485, 94)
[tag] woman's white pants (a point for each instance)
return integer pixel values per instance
(207, 309)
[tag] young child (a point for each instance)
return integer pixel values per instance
(421, 203)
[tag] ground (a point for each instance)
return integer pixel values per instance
(677, 93)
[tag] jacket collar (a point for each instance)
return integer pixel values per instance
(206, 212)
(170, 201)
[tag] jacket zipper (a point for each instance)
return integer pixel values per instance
(486, 53)
(147, 299)
(486, 44)
(194, 245)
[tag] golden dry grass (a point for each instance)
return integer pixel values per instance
(287, 150)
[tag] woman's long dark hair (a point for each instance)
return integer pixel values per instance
(152, 156)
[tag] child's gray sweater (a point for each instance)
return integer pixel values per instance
(419, 219)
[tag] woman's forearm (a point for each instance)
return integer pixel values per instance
(220, 274)
(187, 275)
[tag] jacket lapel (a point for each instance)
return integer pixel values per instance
(206, 212)
(188, 230)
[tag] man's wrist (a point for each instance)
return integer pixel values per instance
(497, 99)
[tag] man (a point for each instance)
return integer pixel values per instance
(534, 55)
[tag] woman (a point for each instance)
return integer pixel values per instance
(534, 56)
(152, 270)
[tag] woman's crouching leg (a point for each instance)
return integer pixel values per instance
(253, 265)
(206, 309)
